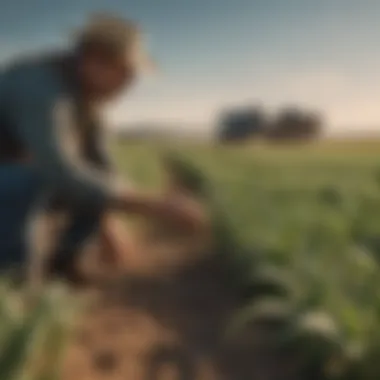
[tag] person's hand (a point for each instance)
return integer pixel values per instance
(184, 212)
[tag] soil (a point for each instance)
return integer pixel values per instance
(162, 317)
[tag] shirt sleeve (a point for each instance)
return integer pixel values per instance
(44, 122)
(97, 148)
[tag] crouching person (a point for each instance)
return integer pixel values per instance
(51, 145)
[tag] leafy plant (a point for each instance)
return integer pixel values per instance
(34, 332)
(324, 242)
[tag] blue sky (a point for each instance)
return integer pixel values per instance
(324, 54)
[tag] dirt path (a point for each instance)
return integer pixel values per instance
(163, 322)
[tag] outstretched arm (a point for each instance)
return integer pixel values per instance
(45, 123)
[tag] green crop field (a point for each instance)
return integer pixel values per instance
(311, 210)
(298, 230)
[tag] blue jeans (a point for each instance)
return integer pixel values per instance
(19, 190)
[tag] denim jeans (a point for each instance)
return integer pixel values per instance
(20, 189)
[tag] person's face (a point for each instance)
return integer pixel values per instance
(105, 77)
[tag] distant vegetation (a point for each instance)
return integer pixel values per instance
(241, 124)
(251, 122)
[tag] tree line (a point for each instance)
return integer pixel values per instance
(251, 122)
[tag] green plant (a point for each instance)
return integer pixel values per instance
(34, 332)
(319, 238)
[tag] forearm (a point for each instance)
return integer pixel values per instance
(135, 202)
(178, 210)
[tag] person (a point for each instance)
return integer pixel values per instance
(52, 154)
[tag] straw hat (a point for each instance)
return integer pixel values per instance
(122, 35)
